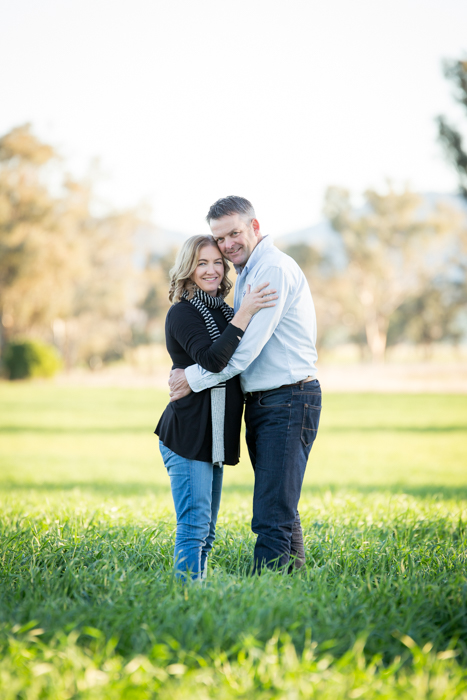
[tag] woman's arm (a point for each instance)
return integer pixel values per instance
(189, 330)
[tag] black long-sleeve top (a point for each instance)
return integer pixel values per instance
(185, 426)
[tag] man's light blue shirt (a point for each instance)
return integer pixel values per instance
(279, 345)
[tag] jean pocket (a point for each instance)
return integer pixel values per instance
(165, 452)
(271, 399)
(310, 424)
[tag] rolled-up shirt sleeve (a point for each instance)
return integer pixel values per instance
(259, 331)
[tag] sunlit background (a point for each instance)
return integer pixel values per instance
(155, 108)
(120, 124)
(185, 101)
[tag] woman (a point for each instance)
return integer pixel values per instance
(201, 432)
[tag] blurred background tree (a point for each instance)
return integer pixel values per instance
(36, 251)
(453, 144)
(95, 284)
(66, 273)
(155, 302)
(429, 317)
(450, 136)
(394, 252)
(381, 251)
(334, 319)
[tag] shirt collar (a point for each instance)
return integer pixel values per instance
(265, 242)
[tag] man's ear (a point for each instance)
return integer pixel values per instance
(256, 228)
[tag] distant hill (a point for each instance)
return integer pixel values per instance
(155, 241)
(323, 237)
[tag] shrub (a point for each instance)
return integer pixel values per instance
(30, 358)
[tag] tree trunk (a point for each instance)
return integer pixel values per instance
(376, 329)
(4, 331)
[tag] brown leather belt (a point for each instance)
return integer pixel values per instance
(284, 386)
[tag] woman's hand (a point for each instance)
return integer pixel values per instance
(252, 302)
(259, 298)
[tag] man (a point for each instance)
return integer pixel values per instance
(276, 359)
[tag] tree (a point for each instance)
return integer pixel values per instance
(451, 139)
(430, 316)
(155, 302)
(450, 136)
(334, 321)
(36, 252)
(392, 253)
(65, 273)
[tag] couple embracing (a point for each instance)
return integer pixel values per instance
(262, 354)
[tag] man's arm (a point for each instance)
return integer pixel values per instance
(261, 328)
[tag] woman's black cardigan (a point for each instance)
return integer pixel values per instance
(185, 426)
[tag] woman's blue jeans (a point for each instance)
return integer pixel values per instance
(196, 490)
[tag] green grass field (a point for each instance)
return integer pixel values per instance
(89, 607)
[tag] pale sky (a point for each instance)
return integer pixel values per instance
(186, 101)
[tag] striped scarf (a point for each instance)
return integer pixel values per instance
(203, 302)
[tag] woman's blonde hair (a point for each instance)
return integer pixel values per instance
(185, 265)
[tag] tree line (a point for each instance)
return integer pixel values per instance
(68, 273)
(400, 275)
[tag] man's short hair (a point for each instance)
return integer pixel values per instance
(231, 205)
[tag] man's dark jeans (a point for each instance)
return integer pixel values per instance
(281, 426)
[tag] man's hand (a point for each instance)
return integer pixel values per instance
(178, 384)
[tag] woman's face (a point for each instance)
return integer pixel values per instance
(209, 271)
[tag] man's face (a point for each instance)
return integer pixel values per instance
(236, 237)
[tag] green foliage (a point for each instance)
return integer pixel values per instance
(393, 254)
(89, 607)
(305, 255)
(31, 358)
(450, 136)
(62, 267)
(429, 317)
